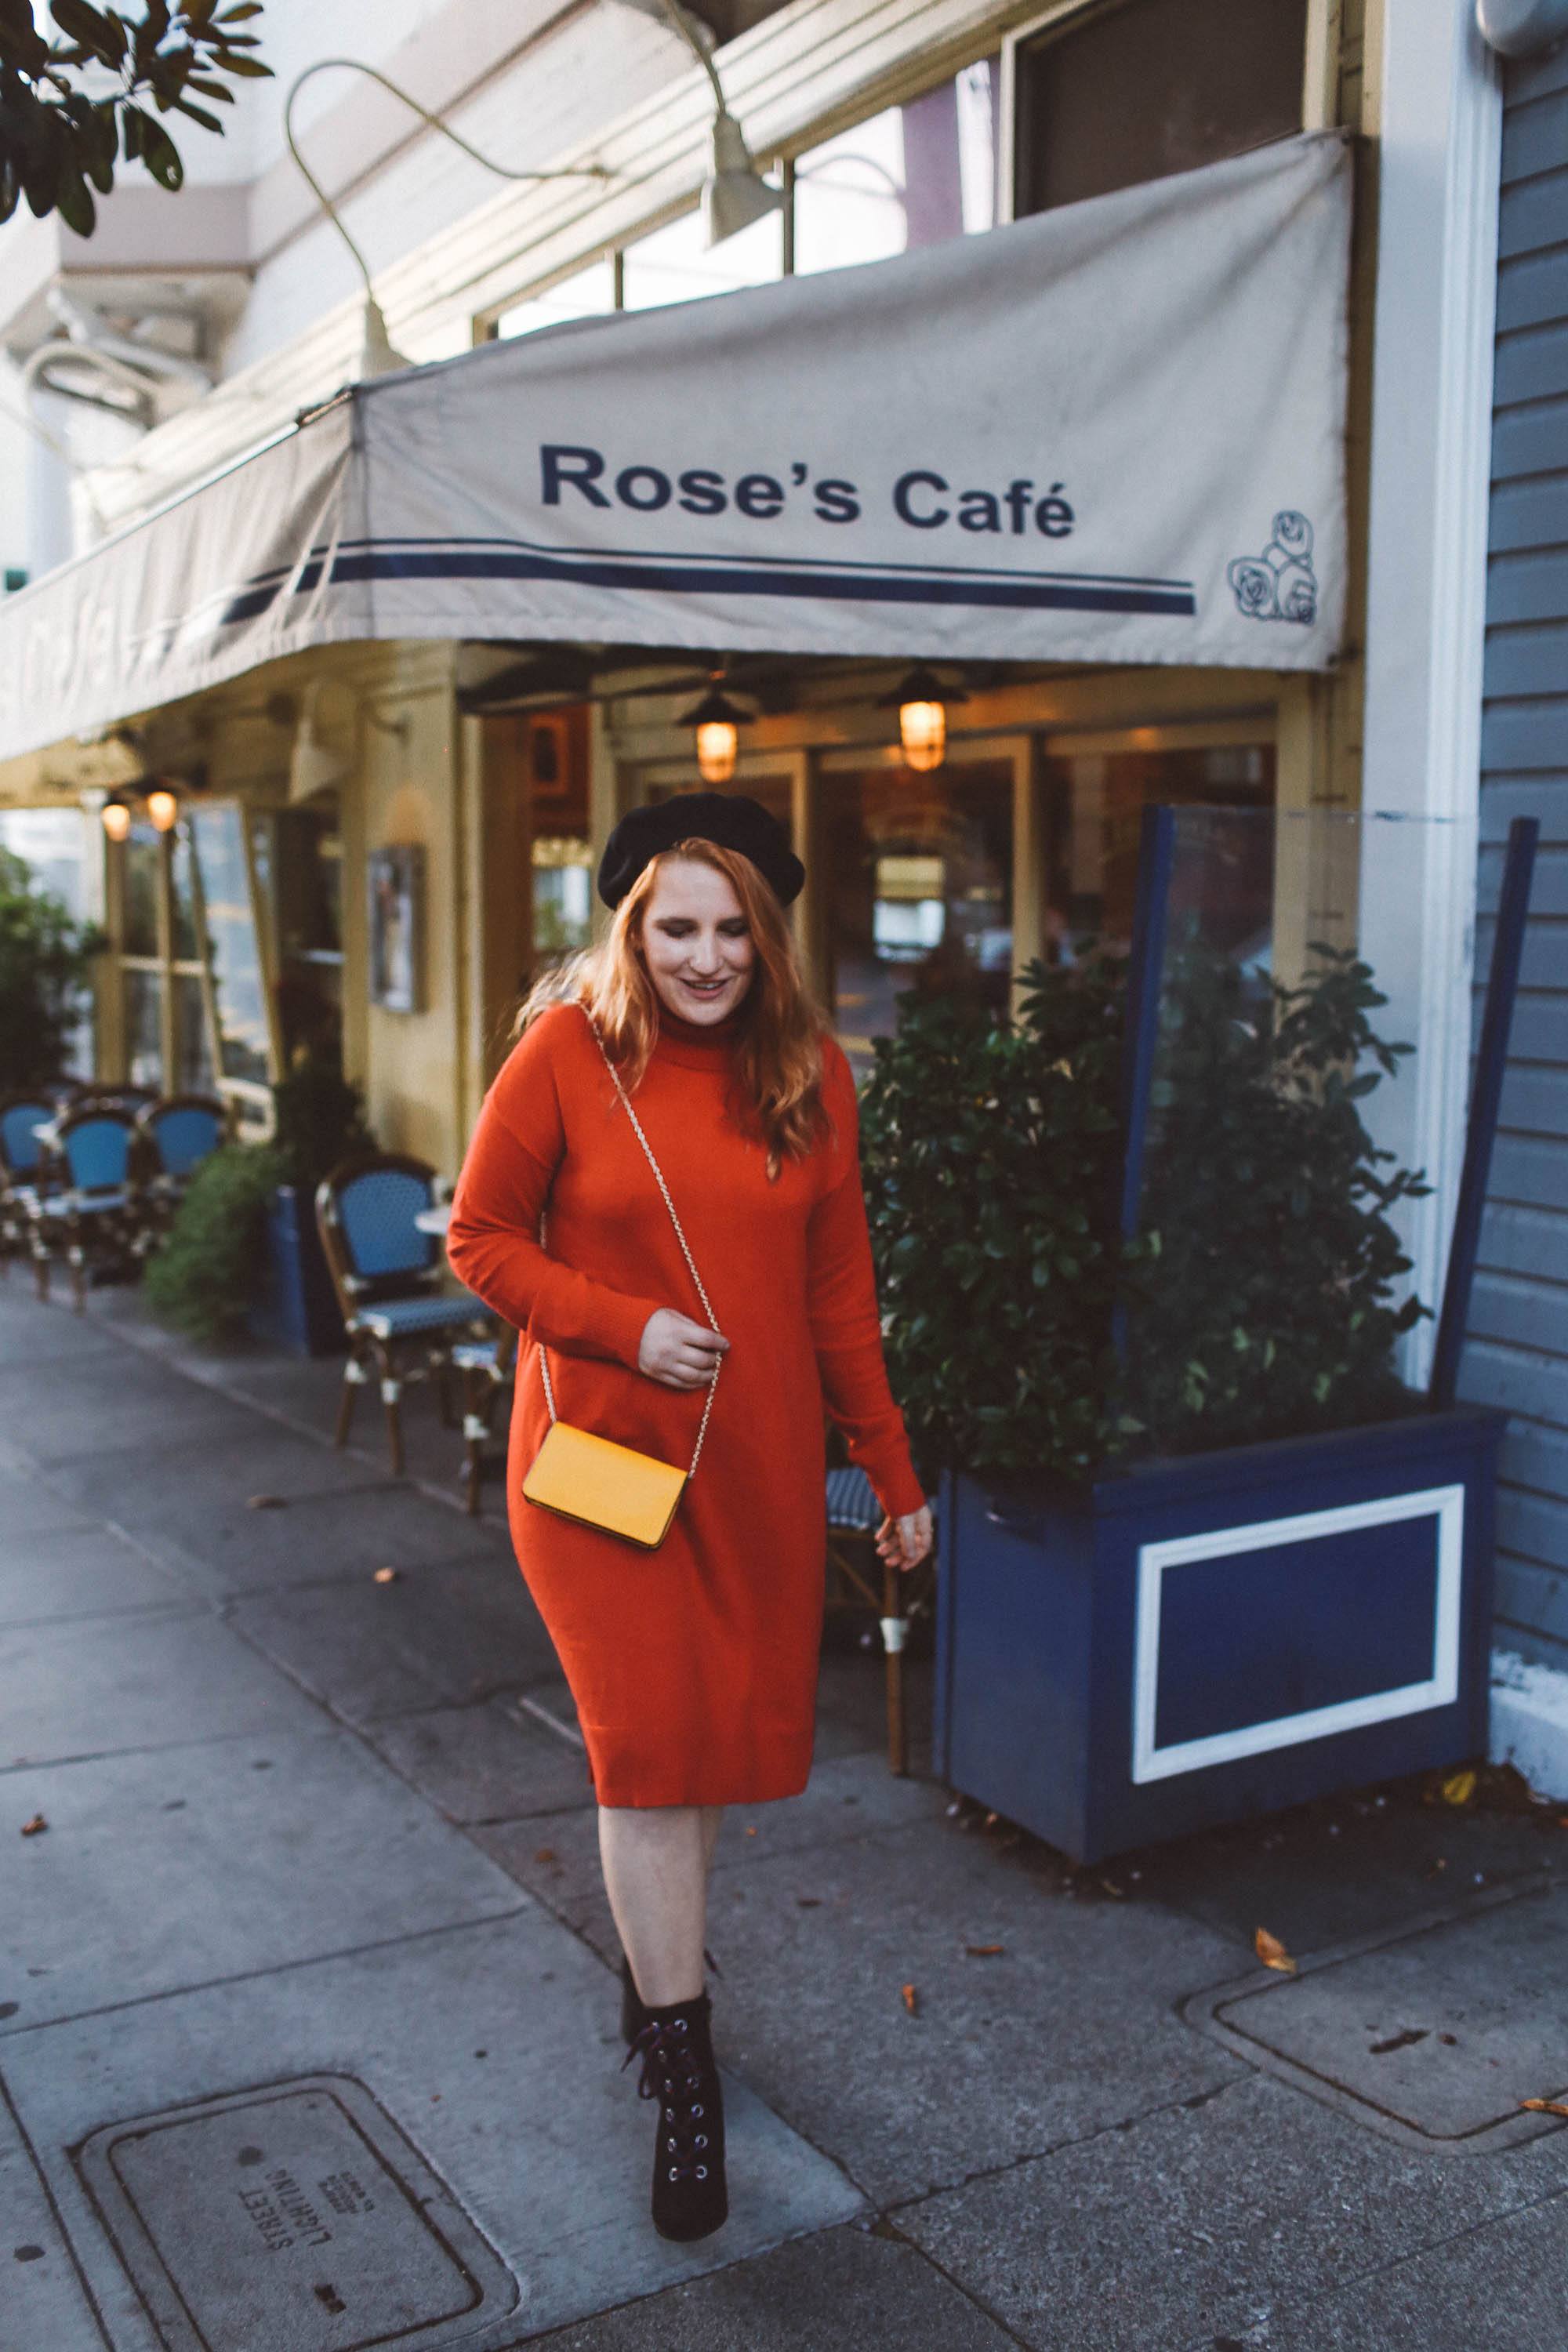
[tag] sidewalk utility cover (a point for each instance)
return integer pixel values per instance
(292, 2219)
(1432, 2036)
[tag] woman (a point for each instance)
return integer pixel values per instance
(693, 1666)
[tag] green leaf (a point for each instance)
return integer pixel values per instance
(198, 114)
(73, 201)
(157, 151)
(94, 32)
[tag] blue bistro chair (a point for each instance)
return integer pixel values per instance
(854, 1515)
(486, 1368)
(177, 1133)
(93, 1212)
(22, 1163)
(402, 1323)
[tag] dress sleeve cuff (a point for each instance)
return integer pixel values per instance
(895, 1486)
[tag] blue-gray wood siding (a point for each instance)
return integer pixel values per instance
(1517, 1353)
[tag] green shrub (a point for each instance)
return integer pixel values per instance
(1258, 1299)
(319, 1119)
(46, 958)
(206, 1272)
(991, 1157)
(1269, 1311)
(209, 1269)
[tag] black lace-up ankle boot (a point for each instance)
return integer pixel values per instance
(633, 2009)
(676, 2047)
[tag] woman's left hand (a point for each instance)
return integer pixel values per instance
(904, 1543)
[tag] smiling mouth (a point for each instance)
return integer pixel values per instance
(706, 987)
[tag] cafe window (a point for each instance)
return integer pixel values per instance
(586, 294)
(1096, 796)
(675, 263)
(912, 175)
(299, 882)
(187, 959)
(154, 929)
(561, 858)
(1137, 90)
(920, 892)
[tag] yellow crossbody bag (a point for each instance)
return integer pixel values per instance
(582, 1476)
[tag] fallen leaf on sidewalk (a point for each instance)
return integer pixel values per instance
(984, 1951)
(1545, 2106)
(33, 1827)
(809, 1902)
(264, 1503)
(545, 1853)
(387, 1575)
(1459, 1788)
(911, 2000)
(1272, 1953)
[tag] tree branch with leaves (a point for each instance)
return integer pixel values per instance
(71, 107)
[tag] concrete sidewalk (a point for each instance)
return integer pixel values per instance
(308, 2028)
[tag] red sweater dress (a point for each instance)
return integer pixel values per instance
(694, 1666)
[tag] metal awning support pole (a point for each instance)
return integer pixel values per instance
(1486, 1096)
(1145, 974)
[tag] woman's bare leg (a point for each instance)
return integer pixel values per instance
(655, 1861)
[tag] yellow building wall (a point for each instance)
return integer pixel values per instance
(407, 788)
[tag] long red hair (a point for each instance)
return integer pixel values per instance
(778, 1052)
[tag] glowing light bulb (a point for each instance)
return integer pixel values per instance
(922, 731)
(162, 807)
(717, 721)
(718, 742)
(116, 817)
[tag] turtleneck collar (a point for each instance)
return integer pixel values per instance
(701, 1042)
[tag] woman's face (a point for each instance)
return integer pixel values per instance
(696, 941)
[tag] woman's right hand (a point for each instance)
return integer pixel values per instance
(678, 1352)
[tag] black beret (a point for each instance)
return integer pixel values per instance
(731, 819)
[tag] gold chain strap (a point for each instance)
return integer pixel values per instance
(679, 1235)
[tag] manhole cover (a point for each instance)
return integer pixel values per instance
(1433, 2036)
(297, 2218)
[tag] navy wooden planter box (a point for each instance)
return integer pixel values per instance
(1207, 1639)
(298, 1307)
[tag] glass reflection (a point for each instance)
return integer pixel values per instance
(586, 294)
(914, 175)
(182, 894)
(145, 1028)
(140, 860)
(672, 265)
(563, 895)
(233, 946)
(922, 892)
(193, 1047)
(1097, 800)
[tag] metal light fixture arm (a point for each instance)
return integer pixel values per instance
(680, 18)
(357, 64)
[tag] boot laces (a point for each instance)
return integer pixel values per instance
(672, 2073)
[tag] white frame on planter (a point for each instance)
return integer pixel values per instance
(1152, 1762)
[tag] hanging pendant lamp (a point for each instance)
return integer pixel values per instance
(717, 721)
(922, 702)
